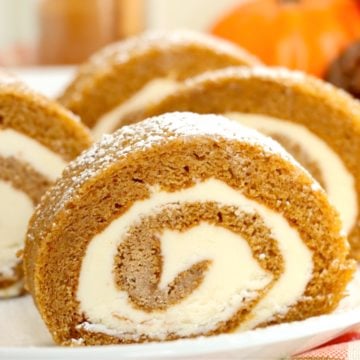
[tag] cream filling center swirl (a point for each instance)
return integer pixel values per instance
(339, 182)
(233, 277)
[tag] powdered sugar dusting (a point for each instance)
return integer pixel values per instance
(165, 128)
(124, 50)
(243, 72)
(277, 74)
(289, 79)
(152, 132)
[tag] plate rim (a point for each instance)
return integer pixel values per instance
(203, 345)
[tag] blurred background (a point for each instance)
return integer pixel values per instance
(320, 37)
(68, 31)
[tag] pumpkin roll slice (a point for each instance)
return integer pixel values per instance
(37, 139)
(179, 226)
(130, 74)
(316, 122)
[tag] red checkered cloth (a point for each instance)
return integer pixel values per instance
(345, 347)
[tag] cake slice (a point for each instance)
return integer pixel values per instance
(37, 139)
(130, 74)
(180, 226)
(316, 122)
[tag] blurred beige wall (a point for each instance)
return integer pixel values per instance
(68, 31)
(194, 14)
(18, 29)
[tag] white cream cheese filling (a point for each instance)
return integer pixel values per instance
(16, 209)
(26, 149)
(233, 277)
(152, 91)
(339, 182)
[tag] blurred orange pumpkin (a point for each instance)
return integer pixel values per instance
(299, 34)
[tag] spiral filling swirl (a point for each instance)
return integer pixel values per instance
(190, 262)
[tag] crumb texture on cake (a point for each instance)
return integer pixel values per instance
(316, 122)
(179, 226)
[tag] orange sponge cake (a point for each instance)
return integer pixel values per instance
(179, 226)
(135, 72)
(317, 123)
(37, 139)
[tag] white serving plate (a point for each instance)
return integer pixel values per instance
(274, 342)
(23, 336)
